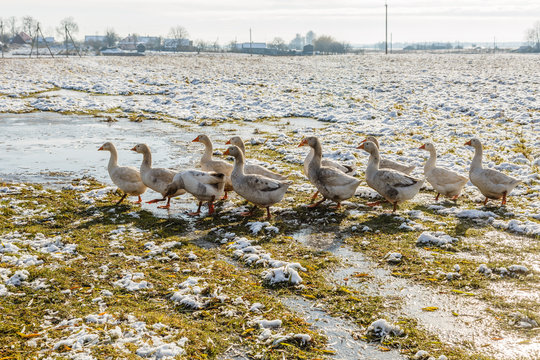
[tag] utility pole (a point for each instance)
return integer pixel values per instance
(386, 30)
(250, 44)
(66, 40)
(391, 43)
(2, 27)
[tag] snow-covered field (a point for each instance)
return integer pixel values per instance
(459, 274)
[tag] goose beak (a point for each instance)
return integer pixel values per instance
(363, 141)
(361, 145)
(226, 152)
(423, 147)
(468, 143)
(303, 142)
(196, 139)
(134, 149)
(228, 142)
(100, 149)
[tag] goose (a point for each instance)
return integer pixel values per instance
(390, 164)
(210, 165)
(205, 186)
(156, 179)
(492, 184)
(393, 185)
(445, 182)
(253, 168)
(257, 189)
(347, 169)
(127, 178)
(332, 183)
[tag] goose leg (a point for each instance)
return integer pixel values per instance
(455, 197)
(317, 203)
(225, 196)
(437, 197)
(395, 207)
(196, 212)
(268, 216)
(314, 196)
(121, 199)
(338, 206)
(168, 205)
(375, 203)
(155, 201)
(138, 201)
(485, 201)
(503, 199)
(250, 212)
(210, 207)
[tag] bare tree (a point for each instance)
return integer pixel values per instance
(178, 33)
(69, 24)
(12, 26)
(533, 36)
(278, 44)
(29, 25)
(111, 37)
(327, 44)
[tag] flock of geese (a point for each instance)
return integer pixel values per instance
(333, 181)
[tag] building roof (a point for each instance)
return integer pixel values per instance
(88, 38)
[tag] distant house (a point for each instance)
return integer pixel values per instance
(21, 38)
(47, 39)
(253, 45)
(132, 41)
(176, 44)
(308, 49)
(95, 38)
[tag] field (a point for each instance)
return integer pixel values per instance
(81, 278)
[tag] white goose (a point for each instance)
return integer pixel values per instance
(205, 186)
(156, 179)
(258, 189)
(211, 165)
(393, 185)
(127, 178)
(445, 182)
(253, 168)
(347, 169)
(390, 164)
(491, 183)
(332, 183)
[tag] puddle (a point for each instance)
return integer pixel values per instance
(339, 333)
(51, 148)
(473, 324)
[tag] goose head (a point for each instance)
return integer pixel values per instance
(236, 141)
(203, 139)
(372, 139)
(310, 140)
(369, 147)
(141, 148)
(108, 146)
(475, 143)
(428, 147)
(233, 151)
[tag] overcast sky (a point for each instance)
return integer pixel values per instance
(356, 22)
